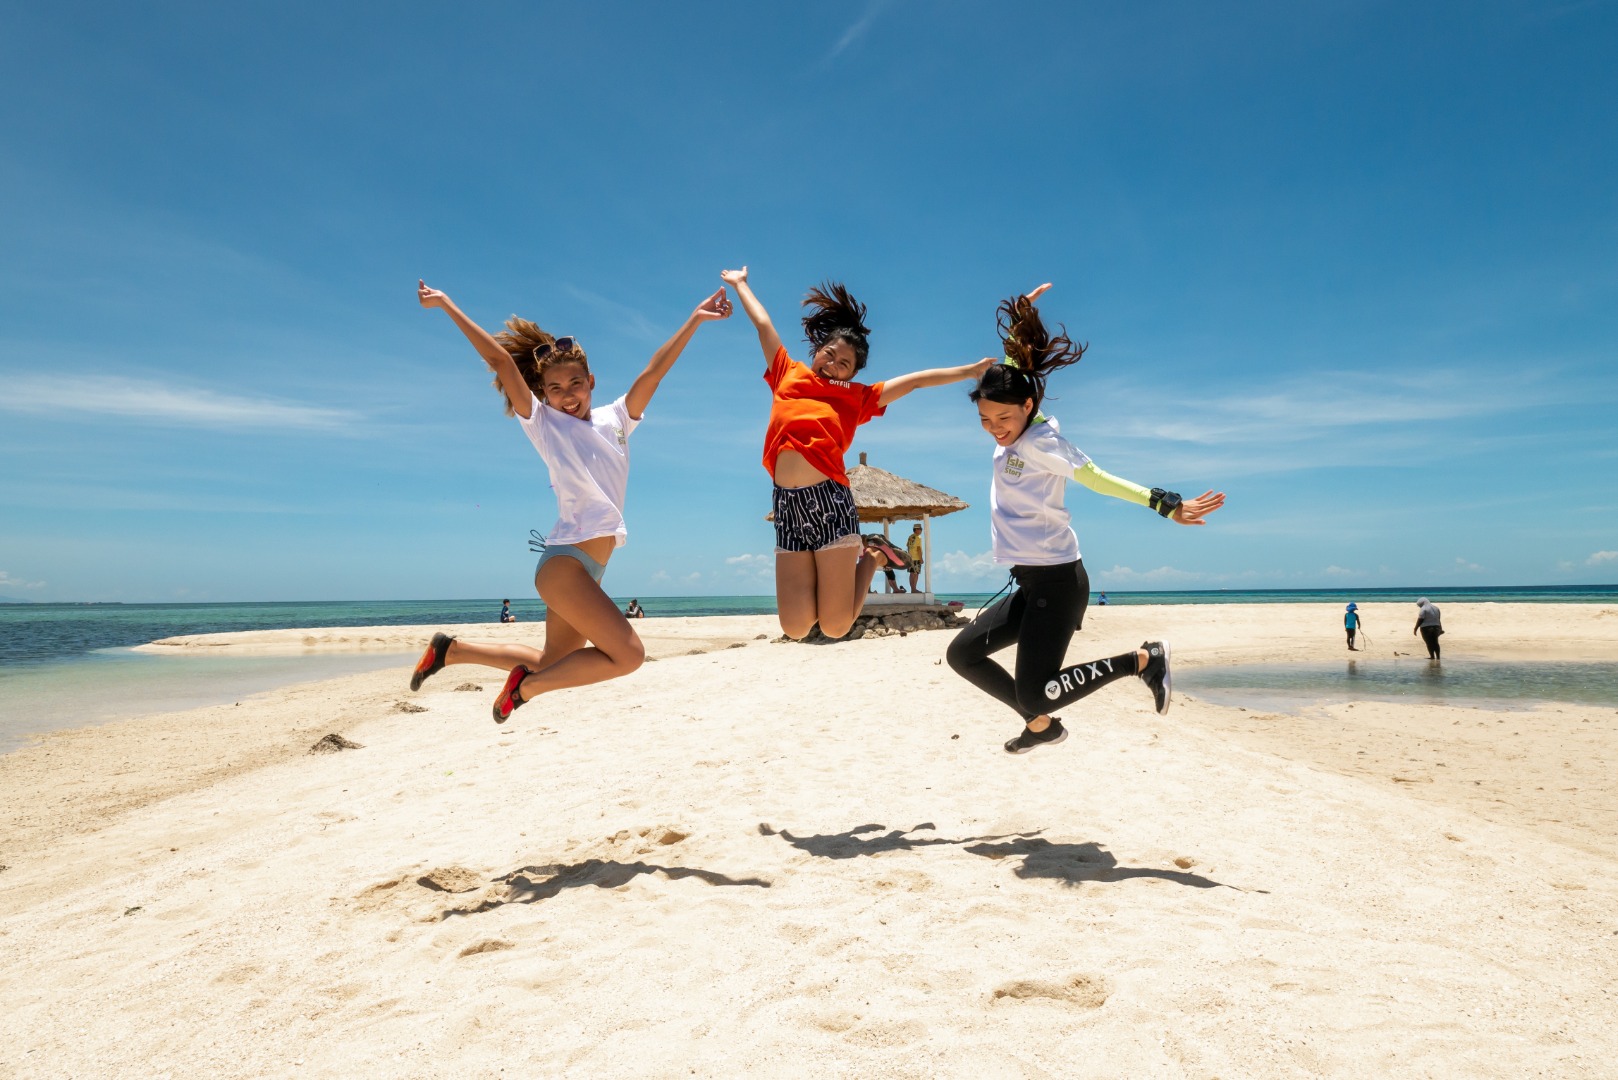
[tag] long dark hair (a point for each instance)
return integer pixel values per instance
(1033, 351)
(834, 315)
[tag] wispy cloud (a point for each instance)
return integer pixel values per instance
(1467, 567)
(858, 29)
(158, 403)
(1601, 557)
(9, 582)
(959, 567)
(630, 320)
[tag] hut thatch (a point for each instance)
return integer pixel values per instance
(881, 496)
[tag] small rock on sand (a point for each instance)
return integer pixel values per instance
(405, 706)
(471, 686)
(450, 879)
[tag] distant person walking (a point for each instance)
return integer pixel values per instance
(913, 552)
(1351, 623)
(1430, 625)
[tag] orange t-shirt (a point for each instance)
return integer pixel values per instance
(815, 416)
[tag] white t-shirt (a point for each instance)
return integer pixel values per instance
(589, 464)
(1028, 518)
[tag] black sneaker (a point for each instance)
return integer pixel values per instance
(1030, 739)
(1156, 674)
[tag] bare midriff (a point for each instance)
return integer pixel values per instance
(792, 470)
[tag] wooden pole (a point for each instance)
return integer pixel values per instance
(927, 554)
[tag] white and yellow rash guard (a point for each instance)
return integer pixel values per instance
(1028, 518)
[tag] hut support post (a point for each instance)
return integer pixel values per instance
(927, 556)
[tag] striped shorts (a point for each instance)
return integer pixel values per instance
(815, 517)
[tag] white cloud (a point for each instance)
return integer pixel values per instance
(693, 577)
(660, 575)
(1163, 575)
(9, 582)
(1340, 571)
(1469, 567)
(1601, 557)
(164, 404)
(749, 562)
(957, 567)
(858, 29)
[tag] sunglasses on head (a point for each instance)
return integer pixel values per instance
(561, 345)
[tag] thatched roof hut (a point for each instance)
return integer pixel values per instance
(881, 496)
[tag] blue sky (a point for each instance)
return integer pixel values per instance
(1356, 264)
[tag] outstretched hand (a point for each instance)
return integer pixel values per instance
(716, 306)
(429, 297)
(733, 277)
(1192, 511)
(1037, 293)
(977, 370)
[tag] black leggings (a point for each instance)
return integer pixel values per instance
(1039, 617)
(1429, 634)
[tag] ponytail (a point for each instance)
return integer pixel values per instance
(835, 314)
(1032, 353)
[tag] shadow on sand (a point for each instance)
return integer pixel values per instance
(531, 884)
(1068, 863)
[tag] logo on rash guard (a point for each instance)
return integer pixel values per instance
(1015, 465)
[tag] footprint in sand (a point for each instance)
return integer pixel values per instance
(452, 879)
(1085, 991)
(486, 945)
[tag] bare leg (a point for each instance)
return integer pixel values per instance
(836, 604)
(795, 575)
(504, 657)
(587, 613)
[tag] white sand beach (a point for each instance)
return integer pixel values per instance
(752, 858)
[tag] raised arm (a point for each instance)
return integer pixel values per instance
(499, 361)
(894, 389)
(640, 393)
(768, 339)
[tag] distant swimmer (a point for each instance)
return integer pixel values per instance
(1430, 625)
(548, 387)
(1029, 529)
(822, 567)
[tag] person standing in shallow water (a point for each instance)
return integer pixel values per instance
(1430, 625)
(1030, 529)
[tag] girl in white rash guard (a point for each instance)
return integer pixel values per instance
(1030, 528)
(547, 385)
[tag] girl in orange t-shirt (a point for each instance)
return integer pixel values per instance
(821, 569)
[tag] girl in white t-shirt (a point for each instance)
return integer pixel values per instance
(547, 385)
(1029, 525)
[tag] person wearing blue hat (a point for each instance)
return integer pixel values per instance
(1351, 623)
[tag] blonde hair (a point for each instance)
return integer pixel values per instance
(520, 338)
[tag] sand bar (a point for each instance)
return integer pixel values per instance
(792, 860)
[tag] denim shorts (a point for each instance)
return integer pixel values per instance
(556, 551)
(815, 517)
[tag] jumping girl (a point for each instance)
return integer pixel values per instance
(547, 384)
(821, 566)
(1029, 525)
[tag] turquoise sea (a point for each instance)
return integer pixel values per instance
(65, 665)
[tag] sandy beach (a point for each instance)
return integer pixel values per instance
(786, 860)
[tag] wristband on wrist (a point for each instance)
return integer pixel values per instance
(1164, 502)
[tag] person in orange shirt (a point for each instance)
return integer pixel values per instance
(822, 570)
